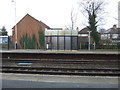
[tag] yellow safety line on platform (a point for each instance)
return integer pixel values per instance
(61, 50)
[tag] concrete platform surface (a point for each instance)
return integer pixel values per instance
(57, 81)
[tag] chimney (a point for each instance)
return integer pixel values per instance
(115, 27)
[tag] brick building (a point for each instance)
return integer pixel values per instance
(27, 25)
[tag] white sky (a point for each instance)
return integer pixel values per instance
(54, 13)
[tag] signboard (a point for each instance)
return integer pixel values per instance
(3, 39)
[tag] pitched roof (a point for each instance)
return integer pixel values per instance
(84, 31)
(114, 31)
(33, 18)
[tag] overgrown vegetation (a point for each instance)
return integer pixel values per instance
(41, 39)
(27, 42)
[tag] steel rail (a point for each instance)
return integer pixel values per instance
(63, 71)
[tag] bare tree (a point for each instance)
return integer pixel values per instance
(93, 9)
(73, 18)
(115, 18)
(89, 6)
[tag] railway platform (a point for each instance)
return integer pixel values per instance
(46, 54)
(57, 81)
(60, 51)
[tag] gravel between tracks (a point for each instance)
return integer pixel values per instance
(84, 65)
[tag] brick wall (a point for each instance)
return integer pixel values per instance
(29, 25)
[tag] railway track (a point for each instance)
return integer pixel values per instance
(55, 60)
(63, 63)
(55, 55)
(61, 71)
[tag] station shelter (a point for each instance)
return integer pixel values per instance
(61, 39)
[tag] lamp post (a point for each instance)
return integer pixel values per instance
(15, 26)
(89, 39)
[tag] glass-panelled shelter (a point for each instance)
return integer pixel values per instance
(61, 39)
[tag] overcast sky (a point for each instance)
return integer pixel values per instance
(54, 13)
